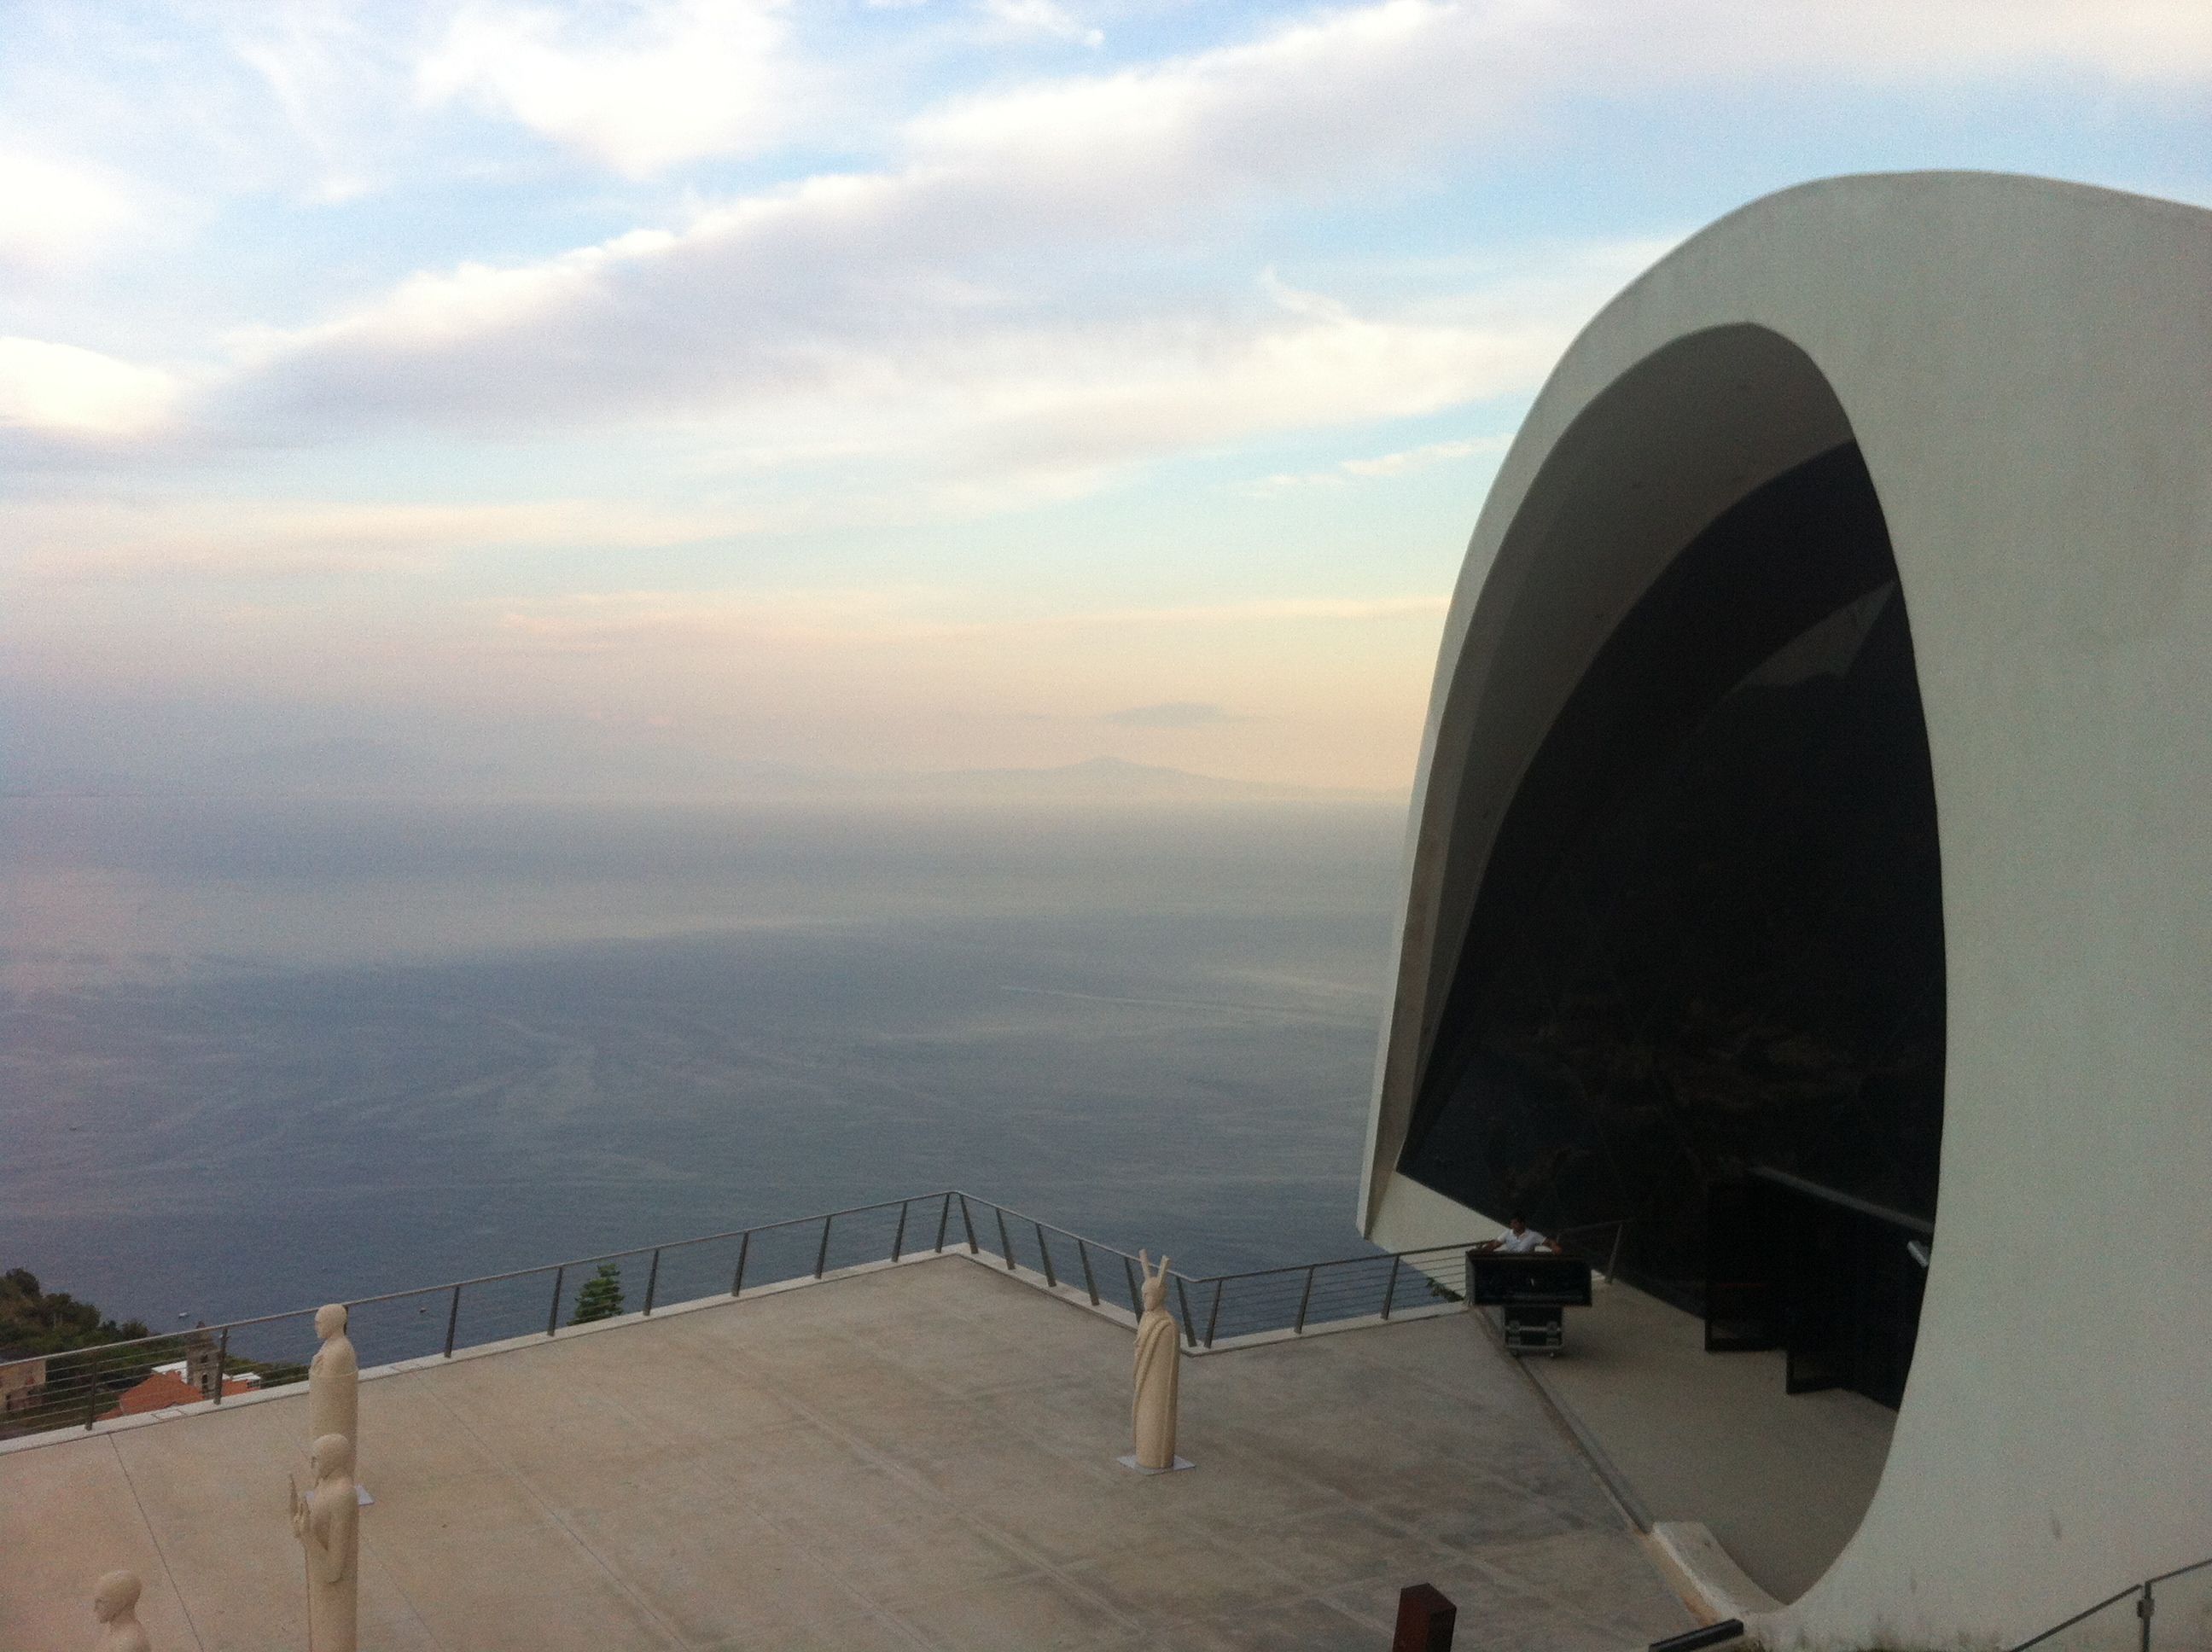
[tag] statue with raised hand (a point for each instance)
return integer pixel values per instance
(115, 1606)
(1159, 1355)
(327, 1522)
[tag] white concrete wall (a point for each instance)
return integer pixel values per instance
(2026, 366)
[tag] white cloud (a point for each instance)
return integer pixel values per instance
(954, 302)
(841, 273)
(795, 321)
(1388, 465)
(1419, 459)
(1102, 397)
(1017, 18)
(992, 207)
(635, 87)
(648, 623)
(1302, 106)
(61, 389)
(55, 213)
(2157, 41)
(336, 75)
(1319, 611)
(77, 539)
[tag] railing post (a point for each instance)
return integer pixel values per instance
(2144, 1608)
(91, 1399)
(898, 1239)
(553, 1311)
(968, 1221)
(821, 1256)
(1128, 1272)
(452, 1320)
(944, 1216)
(1391, 1289)
(652, 1281)
(1090, 1281)
(1045, 1252)
(1189, 1335)
(222, 1359)
(737, 1279)
(1005, 1244)
(1304, 1298)
(1213, 1316)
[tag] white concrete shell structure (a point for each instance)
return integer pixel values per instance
(2027, 368)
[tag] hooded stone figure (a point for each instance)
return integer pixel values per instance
(115, 1606)
(327, 1522)
(1159, 1354)
(334, 1380)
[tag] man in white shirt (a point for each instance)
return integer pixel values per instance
(1518, 1239)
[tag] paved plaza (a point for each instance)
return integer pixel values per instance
(918, 1457)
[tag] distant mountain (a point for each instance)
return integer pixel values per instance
(340, 768)
(1098, 779)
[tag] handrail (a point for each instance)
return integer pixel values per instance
(70, 1387)
(2146, 1597)
(2068, 1623)
(1340, 1261)
(521, 1273)
(2193, 1565)
(1619, 1225)
(606, 1256)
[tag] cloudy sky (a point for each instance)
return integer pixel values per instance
(528, 395)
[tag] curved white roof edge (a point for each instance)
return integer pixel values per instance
(2026, 366)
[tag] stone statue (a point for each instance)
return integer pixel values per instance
(1159, 1355)
(327, 1522)
(334, 1380)
(115, 1604)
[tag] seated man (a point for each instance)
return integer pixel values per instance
(1518, 1239)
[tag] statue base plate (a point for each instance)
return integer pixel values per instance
(1130, 1461)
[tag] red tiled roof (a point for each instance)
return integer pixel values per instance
(161, 1390)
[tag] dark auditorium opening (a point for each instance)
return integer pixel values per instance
(1703, 986)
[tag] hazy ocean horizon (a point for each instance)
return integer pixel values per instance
(255, 1054)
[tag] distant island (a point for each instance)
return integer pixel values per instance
(341, 769)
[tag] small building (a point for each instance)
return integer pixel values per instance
(167, 1388)
(22, 1379)
(232, 1382)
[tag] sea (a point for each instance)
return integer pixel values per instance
(258, 1053)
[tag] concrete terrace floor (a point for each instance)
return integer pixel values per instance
(919, 1457)
(1781, 1480)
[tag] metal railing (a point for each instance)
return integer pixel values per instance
(1229, 1308)
(216, 1363)
(2170, 1612)
(1591, 1239)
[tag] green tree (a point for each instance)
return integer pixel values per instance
(33, 1320)
(69, 1335)
(601, 1297)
